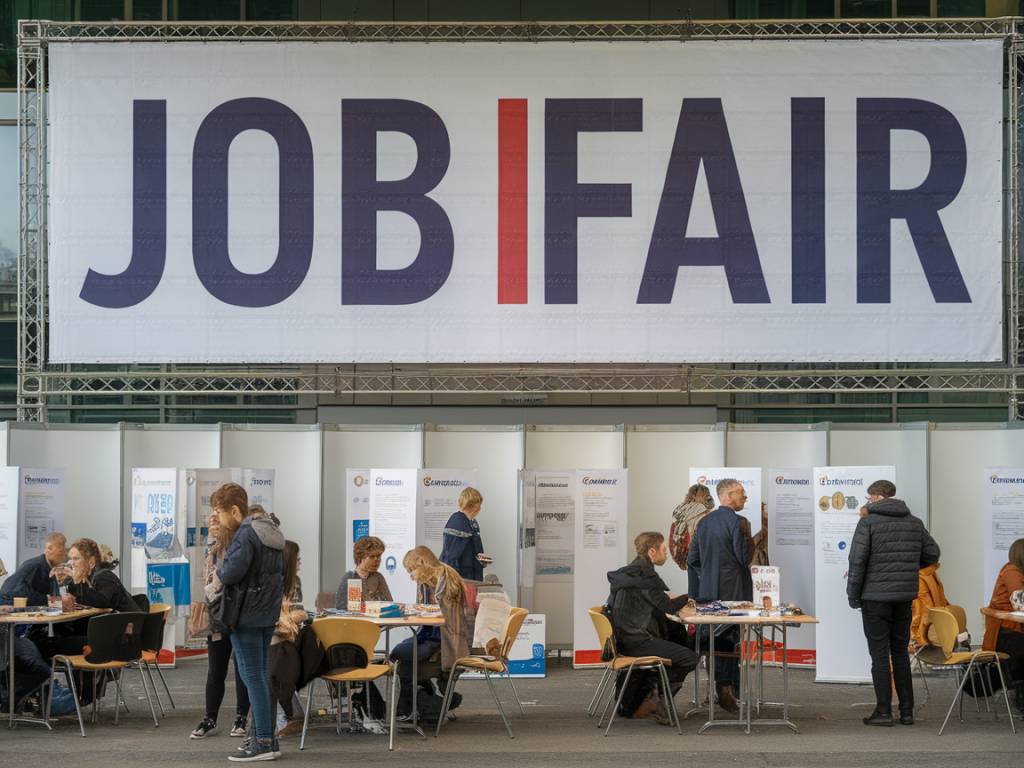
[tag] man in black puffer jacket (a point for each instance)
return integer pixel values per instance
(889, 547)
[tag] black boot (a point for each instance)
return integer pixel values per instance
(907, 718)
(879, 718)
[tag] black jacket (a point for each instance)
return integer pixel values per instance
(718, 562)
(31, 580)
(639, 602)
(889, 547)
(255, 557)
(105, 591)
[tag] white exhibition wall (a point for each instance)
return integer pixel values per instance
(554, 448)
(939, 473)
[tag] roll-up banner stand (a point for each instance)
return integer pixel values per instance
(259, 485)
(789, 495)
(357, 511)
(41, 502)
(1003, 520)
(749, 476)
(599, 537)
(839, 493)
(527, 536)
(393, 521)
(437, 498)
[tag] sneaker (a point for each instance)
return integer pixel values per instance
(238, 728)
(254, 753)
(206, 727)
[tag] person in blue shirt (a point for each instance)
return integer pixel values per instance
(462, 547)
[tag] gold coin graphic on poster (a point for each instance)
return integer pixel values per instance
(823, 503)
(838, 500)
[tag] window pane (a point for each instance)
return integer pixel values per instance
(906, 8)
(865, 9)
(209, 10)
(147, 10)
(960, 8)
(101, 10)
(270, 10)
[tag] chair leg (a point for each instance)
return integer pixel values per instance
(163, 682)
(501, 709)
(392, 705)
(611, 718)
(959, 693)
(924, 681)
(610, 698)
(449, 689)
(71, 684)
(600, 684)
(152, 682)
(117, 698)
(149, 699)
(670, 701)
(1006, 699)
(305, 719)
(514, 691)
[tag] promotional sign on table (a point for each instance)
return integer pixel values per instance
(393, 521)
(40, 509)
(618, 241)
(602, 504)
(1003, 520)
(437, 497)
(790, 497)
(749, 476)
(357, 511)
(839, 492)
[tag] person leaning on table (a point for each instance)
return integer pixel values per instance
(889, 547)
(367, 552)
(33, 579)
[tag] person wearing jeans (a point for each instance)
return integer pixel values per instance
(253, 563)
(889, 547)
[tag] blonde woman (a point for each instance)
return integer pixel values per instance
(441, 584)
(92, 585)
(462, 547)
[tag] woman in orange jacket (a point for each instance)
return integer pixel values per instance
(930, 594)
(1008, 636)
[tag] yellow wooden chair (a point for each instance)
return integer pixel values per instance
(606, 638)
(488, 665)
(334, 632)
(942, 654)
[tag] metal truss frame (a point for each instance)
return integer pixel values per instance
(38, 381)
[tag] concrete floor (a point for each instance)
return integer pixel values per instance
(555, 732)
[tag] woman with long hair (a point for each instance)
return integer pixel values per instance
(1008, 636)
(441, 584)
(218, 644)
(91, 584)
(695, 507)
(285, 664)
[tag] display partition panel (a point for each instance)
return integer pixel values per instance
(356, 447)
(91, 456)
(568, 448)
(293, 452)
(658, 458)
(497, 454)
(959, 455)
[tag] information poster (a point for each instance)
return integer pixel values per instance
(154, 517)
(437, 498)
(40, 509)
(790, 498)
(200, 485)
(555, 504)
(393, 521)
(1004, 520)
(749, 476)
(600, 546)
(527, 656)
(259, 485)
(527, 529)
(839, 493)
(357, 511)
(9, 489)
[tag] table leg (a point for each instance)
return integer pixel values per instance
(10, 674)
(711, 679)
(697, 708)
(415, 682)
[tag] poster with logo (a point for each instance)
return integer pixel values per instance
(1003, 520)
(789, 496)
(40, 509)
(357, 511)
(259, 484)
(393, 521)
(555, 505)
(154, 519)
(749, 476)
(9, 491)
(839, 493)
(602, 505)
(199, 486)
(767, 581)
(437, 498)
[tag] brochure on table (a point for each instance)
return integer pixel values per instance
(31, 507)
(1003, 520)
(839, 492)
(749, 476)
(790, 497)
(602, 503)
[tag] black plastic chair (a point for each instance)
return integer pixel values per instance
(113, 642)
(152, 642)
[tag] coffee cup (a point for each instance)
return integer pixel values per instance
(67, 602)
(21, 602)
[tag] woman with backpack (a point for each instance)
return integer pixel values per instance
(218, 644)
(250, 607)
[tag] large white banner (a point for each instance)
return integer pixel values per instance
(393, 521)
(40, 510)
(840, 492)
(589, 202)
(790, 497)
(1003, 520)
(602, 506)
(749, 476)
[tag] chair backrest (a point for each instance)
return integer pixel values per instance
(603, 626)
(960, 615)
(153, 627)
(114, 637)
(334, 631)
(514, 622)
(945, 629)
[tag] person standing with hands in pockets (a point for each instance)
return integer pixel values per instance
(462, 547)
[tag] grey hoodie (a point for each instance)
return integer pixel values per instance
(255, 559)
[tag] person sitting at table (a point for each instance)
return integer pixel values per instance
(462, 547)
(31, 672)
(719, 568)
(1008, 636)
(638, 603)
(441, 584)
(33, 579)
(91, 584)
(284, 664)
(367, 553)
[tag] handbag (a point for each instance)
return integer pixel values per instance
(226, 607)
(198, 620)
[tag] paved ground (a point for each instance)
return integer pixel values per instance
(555, 732)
